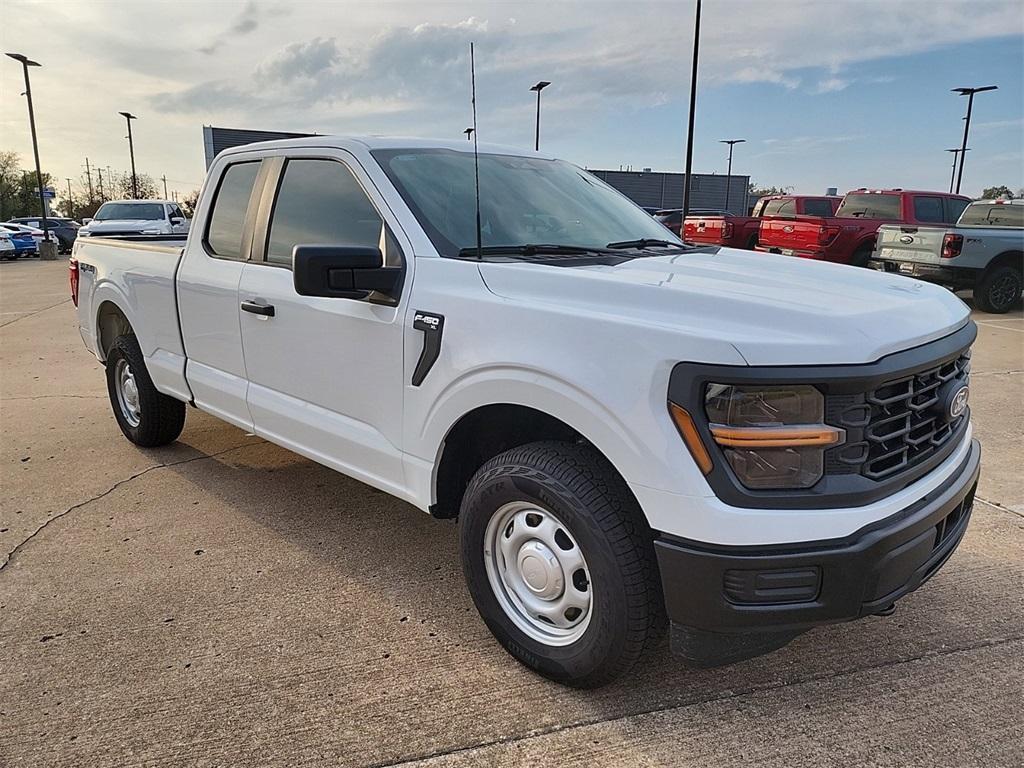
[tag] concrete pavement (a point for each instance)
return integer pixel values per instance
(225, 602)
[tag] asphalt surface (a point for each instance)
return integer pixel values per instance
(223, 602)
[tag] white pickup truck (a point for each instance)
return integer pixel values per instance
(629, 429)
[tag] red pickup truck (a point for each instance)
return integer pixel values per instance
(742, 231)
(848, 237)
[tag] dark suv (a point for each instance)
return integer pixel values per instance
(65, 230)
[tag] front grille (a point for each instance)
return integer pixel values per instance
(897, 425)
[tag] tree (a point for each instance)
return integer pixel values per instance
(995, 193)
(755, 191)
(120, 186)
(189, 202)
(18, 193)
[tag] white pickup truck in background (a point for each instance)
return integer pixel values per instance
(120, 218)
(628, 428)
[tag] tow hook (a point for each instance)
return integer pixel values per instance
(887, 611)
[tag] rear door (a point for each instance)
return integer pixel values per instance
(207, 285)
(325, 374)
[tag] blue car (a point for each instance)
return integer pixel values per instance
(24, 243)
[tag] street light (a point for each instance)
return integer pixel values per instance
(536, 136)
(952, 175)
(128, 117)
(728, 174)
(469, 134)
(25, 64)
(693, 107)
(969, 93)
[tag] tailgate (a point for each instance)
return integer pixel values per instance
(704, 229)
(922, 245)
(789, 235)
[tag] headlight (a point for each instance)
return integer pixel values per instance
(772, 437)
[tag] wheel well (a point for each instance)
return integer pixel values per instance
(1006, 259)
(110, 323)
(482, 434)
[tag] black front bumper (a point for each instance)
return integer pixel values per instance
(781, 591)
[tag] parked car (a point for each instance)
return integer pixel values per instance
(849, 236)
(64, 229)
(7, 249)
(24, 239)
(672, 218)
(983, 252)
(136, 217)
(742, 231)
(628, 428)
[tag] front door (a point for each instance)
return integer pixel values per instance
(325, 374)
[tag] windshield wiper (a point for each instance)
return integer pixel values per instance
(644, 243)
(530, 249)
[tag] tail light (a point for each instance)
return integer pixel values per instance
(826, 234)
(952, 244)
(73, 279)
(727, 229)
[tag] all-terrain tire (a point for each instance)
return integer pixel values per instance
(998, 290)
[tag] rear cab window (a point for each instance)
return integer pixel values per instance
(928, 209)
(992, 215)
(226, 226)
(817, 207)
(784, 206)
(869, 205)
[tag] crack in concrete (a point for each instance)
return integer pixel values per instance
(997, 505)
(996, 373)
(44, 397)
(728, 696)
(18, 547)
(33, 314)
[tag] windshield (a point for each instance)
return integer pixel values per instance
(992, 215)
(870, 207)
(522, 200)
(135, 211)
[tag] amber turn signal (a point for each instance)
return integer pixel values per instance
(688, 431)
(776, 437)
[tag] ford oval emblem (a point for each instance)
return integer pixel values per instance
(906, 239)
(788, 228)
(958, 403)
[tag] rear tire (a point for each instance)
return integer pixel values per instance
(998, 290)
(862, 256)
(575, 537)
(146, 417)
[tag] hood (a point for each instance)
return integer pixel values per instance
(108, 225)
(774, 310)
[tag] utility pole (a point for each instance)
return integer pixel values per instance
(164, 180)
(88, 175)
(693, 109)
(102, 197)
(70, 200)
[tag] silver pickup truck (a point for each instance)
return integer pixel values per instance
(983, 252)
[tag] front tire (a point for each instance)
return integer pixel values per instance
(146, 416)
(998, 290)
(560, 562)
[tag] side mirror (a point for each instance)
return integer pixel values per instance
(86, 220)
(345, 272)
(177, 220)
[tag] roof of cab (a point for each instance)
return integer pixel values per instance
(386, 142)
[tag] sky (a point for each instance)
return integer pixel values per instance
(826, 93)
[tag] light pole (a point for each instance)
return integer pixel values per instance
(536, 135)
(693, 108)
(728, 174)
(25, 64)
(128, 117)
(469, 134)
(969, 93)
(952, 175)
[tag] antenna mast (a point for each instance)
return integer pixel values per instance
(476, 156)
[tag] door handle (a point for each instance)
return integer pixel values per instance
(267, 310)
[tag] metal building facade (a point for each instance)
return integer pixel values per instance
(650, 189)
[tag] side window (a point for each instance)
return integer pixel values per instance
(227, 219)
(319, 202)
(175, 212)
(929, 209)
(956, 207)
(817, 207)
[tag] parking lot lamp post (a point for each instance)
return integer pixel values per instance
(128, 117)
(728, 173)
(693, 108)
(969, 93)
(25, 64)
(952, 175)
(536, 134)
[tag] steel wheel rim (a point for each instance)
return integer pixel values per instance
(127, 390)
(538, 573)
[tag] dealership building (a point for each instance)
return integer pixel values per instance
(651, 189)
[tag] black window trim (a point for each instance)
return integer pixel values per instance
(277, 165)
(256, 194)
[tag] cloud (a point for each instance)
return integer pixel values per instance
(297, 60)
(245, 23)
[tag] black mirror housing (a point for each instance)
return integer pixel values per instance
(345, 272)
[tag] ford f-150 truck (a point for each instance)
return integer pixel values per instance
(629, 429)
(136, 217)
(849, 236)
(983, 252)
(741, 231)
